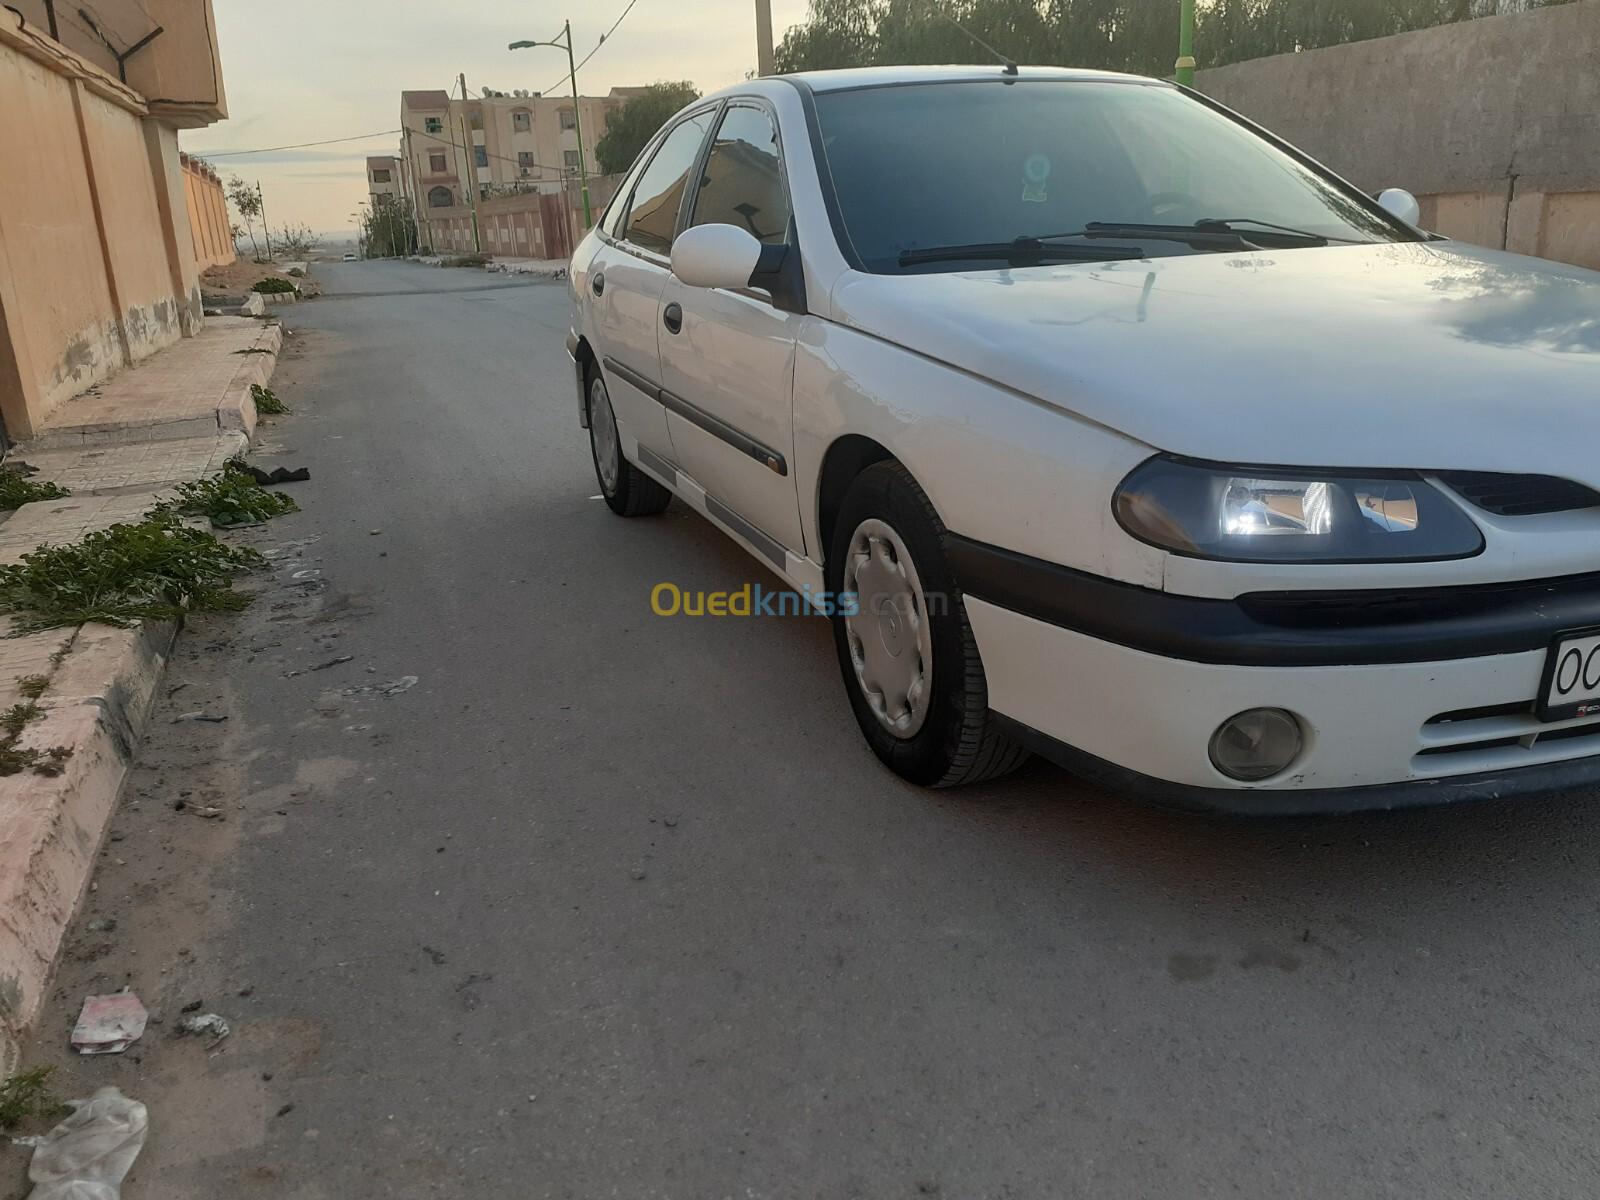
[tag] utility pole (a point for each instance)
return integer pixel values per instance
(471, 155)
(577, 125)
(1185, 63)
(765, 64)
(578, 120)
(416, 188)
(266, 230)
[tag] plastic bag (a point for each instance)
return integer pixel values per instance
(87, 1156)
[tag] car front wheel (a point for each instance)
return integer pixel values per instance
(628, 491)
(906, 650)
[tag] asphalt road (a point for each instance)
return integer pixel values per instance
(609, 905)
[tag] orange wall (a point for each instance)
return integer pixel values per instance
(97, 269)
(208, 217)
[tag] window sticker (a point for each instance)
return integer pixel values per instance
(1035, 171)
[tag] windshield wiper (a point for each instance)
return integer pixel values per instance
(1022, 249)
(1201, 239)
(1285, 235)
(1209, 234)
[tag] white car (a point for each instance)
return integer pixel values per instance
(349, 257)
(1106, 425)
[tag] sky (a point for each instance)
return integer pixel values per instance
(301, 71)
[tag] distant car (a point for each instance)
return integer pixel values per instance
(1104, 424)
(350, 258)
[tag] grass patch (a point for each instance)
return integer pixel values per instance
(32, 686)
(232, 498)
(297, 273)
(17, 490)
(150, 570)
(26, 1095)
(267, 402)
(272, 285)
(467, 260)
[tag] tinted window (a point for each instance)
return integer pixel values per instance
(743, 181)
(962, 163)
(653, 216)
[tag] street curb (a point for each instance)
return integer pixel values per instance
(97, 705)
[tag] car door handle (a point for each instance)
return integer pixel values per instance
(672, 317)
(597, 282)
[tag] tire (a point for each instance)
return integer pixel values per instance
(628, 491)
(938, 731)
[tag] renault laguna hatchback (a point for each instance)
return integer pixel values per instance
(1103, 424)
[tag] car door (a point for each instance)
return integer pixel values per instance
(626, 278)
(727, 356)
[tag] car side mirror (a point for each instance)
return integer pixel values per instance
(715, 256)
(1398, 202)
(725, 256)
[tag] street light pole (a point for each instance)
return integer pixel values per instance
(1185, 63)
(577, 115)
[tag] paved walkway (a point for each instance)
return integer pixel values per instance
(199, 386)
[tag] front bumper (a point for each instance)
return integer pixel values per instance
(1402, 702)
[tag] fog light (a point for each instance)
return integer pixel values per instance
(1256, 744)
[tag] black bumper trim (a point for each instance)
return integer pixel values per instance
(1299, 802)
(1282, 629)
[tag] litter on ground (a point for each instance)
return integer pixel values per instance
(109, 1024)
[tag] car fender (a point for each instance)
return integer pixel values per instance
(1000, 467)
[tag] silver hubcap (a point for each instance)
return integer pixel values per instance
(891, 641)
(603, 433)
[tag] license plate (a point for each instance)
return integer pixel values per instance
(1572, 677)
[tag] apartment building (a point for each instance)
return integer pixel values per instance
(383, 180)
(497, 143)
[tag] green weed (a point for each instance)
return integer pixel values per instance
(267, 402)
(153, 569)
(17, 490)
(27, 1094)
(231, 498)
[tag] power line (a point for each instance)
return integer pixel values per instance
(596, 49)
(360, 137)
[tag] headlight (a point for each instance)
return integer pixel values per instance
(1254, 514)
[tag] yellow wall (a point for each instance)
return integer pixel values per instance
(97, 265)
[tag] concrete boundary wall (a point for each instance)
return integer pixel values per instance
(209, 223)
(97, 269)
(1493, 123)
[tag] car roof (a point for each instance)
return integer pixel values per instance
(865, 77)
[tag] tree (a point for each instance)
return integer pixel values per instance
(246, 201)
(297, 241)
(636, 122)
(389, 230)
(1140, 36)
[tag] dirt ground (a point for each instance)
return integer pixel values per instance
(239, 275)
(157, 891)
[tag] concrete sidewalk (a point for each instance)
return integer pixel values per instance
(177, 416)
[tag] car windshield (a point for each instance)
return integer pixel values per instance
(976, 165)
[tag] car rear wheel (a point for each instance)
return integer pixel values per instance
(628, 491)
(906, 651)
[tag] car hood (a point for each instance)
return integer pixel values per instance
(1428, 355)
